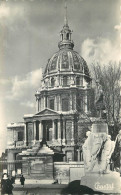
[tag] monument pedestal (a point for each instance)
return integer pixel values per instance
(106, 183)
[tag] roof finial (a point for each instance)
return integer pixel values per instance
(65, 18)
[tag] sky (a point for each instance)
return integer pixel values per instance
(29, 36)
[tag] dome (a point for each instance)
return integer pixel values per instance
(66, 60)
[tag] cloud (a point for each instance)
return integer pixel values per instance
(4, 11)
(23, 86)
(28, 104)
(100, 50)
(117, 27)
(5, 81)
(10, 11)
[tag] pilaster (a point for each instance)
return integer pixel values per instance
(78, 154)
(59, 131)
(72, 131)
(64, 132)
(34, 125)
(44, 103)
(40, 131)
(53, 131)
(25, 138)
(85, 102)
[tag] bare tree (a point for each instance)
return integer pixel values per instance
(108, 77)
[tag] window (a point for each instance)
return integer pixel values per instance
(80, 104)
(77, 81)
(52, 82)
(67, 36)
(65, 81)
(20, 136)
(52, 104)
(65, 104)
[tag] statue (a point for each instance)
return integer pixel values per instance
(106, 153)
(99, 101)
(97, 151)
(86, 150)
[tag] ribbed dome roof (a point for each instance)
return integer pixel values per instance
(66, 60)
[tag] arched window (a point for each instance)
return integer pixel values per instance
(65, 81)
(67, 36)
(77, 81)
(52, 82)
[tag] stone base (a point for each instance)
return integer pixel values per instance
(106, 183)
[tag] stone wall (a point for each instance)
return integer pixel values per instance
(38, 167)
(66, 172)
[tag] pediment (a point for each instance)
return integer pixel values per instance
(47, 112)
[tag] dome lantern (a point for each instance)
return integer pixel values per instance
(65, 34)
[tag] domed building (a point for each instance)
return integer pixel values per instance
(65, 101)
(64, 111)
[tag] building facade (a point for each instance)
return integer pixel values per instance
(64, 101)
(64, 106)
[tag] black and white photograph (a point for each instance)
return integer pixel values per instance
(60, 97)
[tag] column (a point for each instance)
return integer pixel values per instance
(78, 154)
(85, 102)
(25, 138)
(56, 103)
(40, 131)
(44, 104)
(64, 131)
(59, 102)
(34, 125)
(59, 131)
(53, 131)
(81, 156)
(71, 101)
(36, 105)
(72, 131)
(40, 104)
(46, 101)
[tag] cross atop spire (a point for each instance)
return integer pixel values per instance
(65, 17)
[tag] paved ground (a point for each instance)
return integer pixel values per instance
(33, 181)
(37, 187)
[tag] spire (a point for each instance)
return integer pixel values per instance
(65, 33)
(65, 17)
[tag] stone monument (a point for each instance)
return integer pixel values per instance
(97, 151)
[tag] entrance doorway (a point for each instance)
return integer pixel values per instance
(47, 130)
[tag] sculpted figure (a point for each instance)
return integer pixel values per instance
(96, 146)
(86, 150)
(106, 153)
